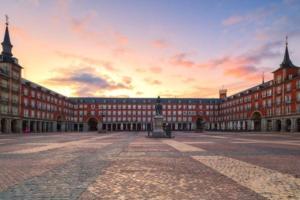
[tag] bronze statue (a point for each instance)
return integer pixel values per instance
(158, 106)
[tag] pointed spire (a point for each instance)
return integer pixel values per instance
(286, 60)
(6, 44)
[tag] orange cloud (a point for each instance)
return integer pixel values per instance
(152, 81)
(155, 69)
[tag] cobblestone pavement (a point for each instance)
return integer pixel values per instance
(128, 165)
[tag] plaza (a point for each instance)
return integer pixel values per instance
(127, 165)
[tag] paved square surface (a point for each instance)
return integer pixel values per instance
(130, 166)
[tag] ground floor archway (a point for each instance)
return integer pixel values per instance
(256, 117)
(298, 124)
(278, 125)
(3, 125)
(200, 124)
(288, 125)
(14, 126)
(58, 124)
(92, 124)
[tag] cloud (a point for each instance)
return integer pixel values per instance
(139, 93)
(155, 69)
(152, 81)
(252, 17)
(108, 65)
(233, 20)
(79, 25)
(121, 38)
(85, 81)
(127, 80)
(240, 71)
(160, 44)
(181, 60)
(233, 65)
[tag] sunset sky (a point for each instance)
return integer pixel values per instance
(145, 48)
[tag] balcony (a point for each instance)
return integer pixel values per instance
(15, 102)
(15, 89)
(4, 87)
(4, 99)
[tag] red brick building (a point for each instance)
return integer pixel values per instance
(28, 107)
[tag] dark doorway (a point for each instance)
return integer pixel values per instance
(3, 125)
(139, 127)
(288, 124)
(278, 125)
(14, 126)
(134, 127)
(199, 124)
(184, 126)
(298, 125)
(58, 124)
(149, 126)
(128, 127)
(25, 126)
(256, 117)
(92, 123)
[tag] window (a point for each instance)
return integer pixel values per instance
(298, 84)
(288, 87)
(4, 69)
(298, 96)
(287, 98)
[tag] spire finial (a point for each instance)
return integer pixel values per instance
(6, 20)
(286, 41)
(263, 77)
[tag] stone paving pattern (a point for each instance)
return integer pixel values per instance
(129, 165)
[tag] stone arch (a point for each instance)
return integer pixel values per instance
(278, 125)
(288, 125)
(14, 126)
(3, 125)
(200, 123)
(59, 123)
(256, 117)
(92, 124)
(298, 125)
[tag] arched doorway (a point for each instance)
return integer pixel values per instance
(278, 125)
(58, 123)
(14, 126)
(288, 125)
(92, 123)
(200, 124)
(256, 117)
(3, 125)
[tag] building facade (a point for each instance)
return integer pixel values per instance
(28, 107)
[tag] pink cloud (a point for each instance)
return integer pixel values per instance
(233, 20)
(181, 60)
(160, 44)
(155, 69)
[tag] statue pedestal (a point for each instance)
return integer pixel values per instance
(158, 130)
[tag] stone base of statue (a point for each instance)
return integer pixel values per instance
(158, 131)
